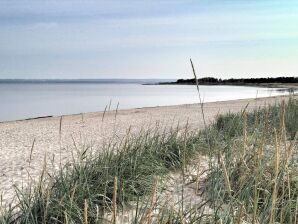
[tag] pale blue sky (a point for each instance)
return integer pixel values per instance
(148, 38)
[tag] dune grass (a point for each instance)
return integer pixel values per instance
(258, 150)
(89, 181)
(252, 175)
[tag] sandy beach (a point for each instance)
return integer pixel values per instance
(91, 129)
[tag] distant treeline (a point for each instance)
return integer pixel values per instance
(215, 81)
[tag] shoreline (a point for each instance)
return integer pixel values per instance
(286, 86)
(149, 107)
(94, 130)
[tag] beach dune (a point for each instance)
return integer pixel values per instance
(25, 145)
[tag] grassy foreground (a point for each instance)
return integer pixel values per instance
(251, 176)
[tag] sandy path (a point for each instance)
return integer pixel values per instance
(16, 137)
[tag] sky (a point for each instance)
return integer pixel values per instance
(148, 38)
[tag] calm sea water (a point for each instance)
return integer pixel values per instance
(21, 101)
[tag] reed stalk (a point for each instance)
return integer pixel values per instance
(274, 194)
(226, 176)
(201, 101)
(148, 213)
(60, 142)
(244, 136)
(66, 217)
(110, 103)
(104, 112)
(198, 177)
(114, 201)
(31, 151)
(82, 117)
(86, 211)
(296, 206)
(116, 110)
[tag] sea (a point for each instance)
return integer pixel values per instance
(26, 99)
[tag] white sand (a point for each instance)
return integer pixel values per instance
(17, 136)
